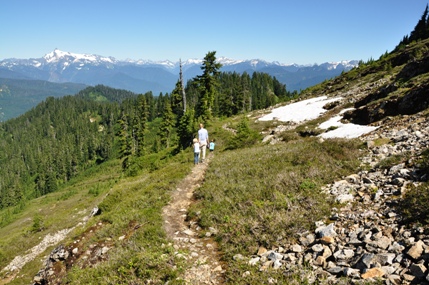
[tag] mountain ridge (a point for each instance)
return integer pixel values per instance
(155, 76)
(58, 54)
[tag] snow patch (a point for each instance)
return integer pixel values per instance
(300, 111)
(311, 109)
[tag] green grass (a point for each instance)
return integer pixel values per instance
(265, 195)
(64, 209)
(131, 206)
(257, 195)
(134, 209)
(392, 160)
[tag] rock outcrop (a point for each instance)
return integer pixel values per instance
(365, 238)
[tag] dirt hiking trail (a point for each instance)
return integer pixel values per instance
(200, 252)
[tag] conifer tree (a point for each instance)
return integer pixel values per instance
(141, 130)
(185, 128)
(177, 100)
(420, 30)
(125, 147)
(166, 128)
(178, 96)
(207, 83)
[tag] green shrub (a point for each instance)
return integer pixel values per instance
(37, 224)
(245, 136)
(289, 136)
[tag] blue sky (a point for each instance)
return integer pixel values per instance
(287, 31)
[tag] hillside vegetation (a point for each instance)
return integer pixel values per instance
(125, 156)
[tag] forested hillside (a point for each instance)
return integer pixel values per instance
(61, 137)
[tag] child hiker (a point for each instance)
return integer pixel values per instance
(196, 145)
(212, 145)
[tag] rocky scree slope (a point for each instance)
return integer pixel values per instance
(366, 238)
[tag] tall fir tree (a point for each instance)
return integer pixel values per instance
(207, 85)
(125, 145)
(177, 104)
(142, 113)
(420, 30)
(185, 129)
(167, 124)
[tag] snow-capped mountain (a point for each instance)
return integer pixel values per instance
(141, 76)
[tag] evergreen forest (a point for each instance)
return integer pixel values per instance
(60, 138)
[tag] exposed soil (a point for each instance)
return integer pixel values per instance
(202, 252)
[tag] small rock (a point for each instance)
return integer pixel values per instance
(189, 232)
(277, 264)
(238, 257)
(373, 273)
(320, 261)
(296, 248)
(104, 250)
(261, 251)
(327, 240)
(335, 270)
(254, 260)
(344, 198)
(416, 250)
(317, 247)
(327, 231)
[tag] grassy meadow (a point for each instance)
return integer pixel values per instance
(265, 195)
(254, 194)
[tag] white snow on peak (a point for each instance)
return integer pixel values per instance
(254, 62)
(58, 55)
(166, 63)
(333, 65)
(227, 61)
(36, 63)
(193, 61)
(107, 59)
(311, 109)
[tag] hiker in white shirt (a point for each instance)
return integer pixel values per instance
(203, 137)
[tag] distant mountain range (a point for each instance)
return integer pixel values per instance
(141, 76)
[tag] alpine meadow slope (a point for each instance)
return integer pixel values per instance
(284, 204)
